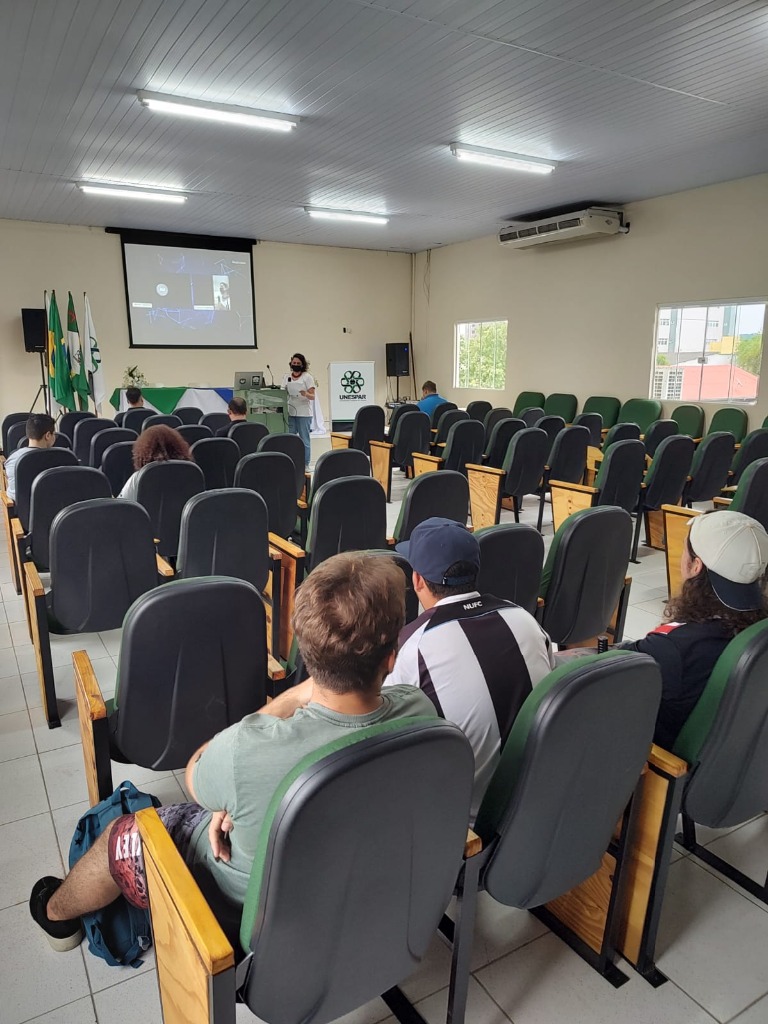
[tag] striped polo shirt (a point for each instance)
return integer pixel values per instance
(476, 658)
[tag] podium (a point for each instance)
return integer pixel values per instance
(268, 406)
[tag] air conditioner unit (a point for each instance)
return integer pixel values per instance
(569, 227)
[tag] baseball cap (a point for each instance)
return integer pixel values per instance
(436, 545)
(734, 548)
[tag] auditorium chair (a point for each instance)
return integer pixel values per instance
(617, 483)
(750, 496)
(551, 425)
(332, 465)
(689, 420)
(117, 464)
(8, 421)
(444, 494)
(193, 660)
(69, 421)
(164, 488)
(16, 435)
(463, 445)
(411, 600)
(292, 446)
(160, 420)
(438, 411)
(491, 418)
(709, 470)
(59, 441)
(753, 447)
(102, 557)
(547, 823)
(532, 415)
(478, 410)
(606, 405)
(642, 411)
(412, 434)
(105, 439)
(733, 419)
(192, 432)
(621, 432)
(563, 405)
(511, 560)
(341, 908)
(247, 436)
(397, 412)
(444, 424)
(526, 400)
(656, 433)
(215, 420)
(189, 415)
(567, 461)
(593, 421)
(368, 426)
(584, 592)
(519, 475)
(496, 445)
(119, 418)
(84, 432)
(663, 485)
(217, 457)
(272, 475)
(349, 514)
(134, 418)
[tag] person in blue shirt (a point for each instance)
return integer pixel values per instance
(429, 397)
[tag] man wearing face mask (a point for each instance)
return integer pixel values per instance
(300, 386)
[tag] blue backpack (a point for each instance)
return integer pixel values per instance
(120, 932)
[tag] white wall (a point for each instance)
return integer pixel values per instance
(305, 295)
(581, 316)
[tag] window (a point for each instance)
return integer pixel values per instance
(481, 355)
(709, 353)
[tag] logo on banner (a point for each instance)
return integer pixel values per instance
(352, 382)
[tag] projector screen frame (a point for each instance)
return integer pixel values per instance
(134, 236)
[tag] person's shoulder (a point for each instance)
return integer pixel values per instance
(406, 701)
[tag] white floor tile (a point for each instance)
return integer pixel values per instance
(142, 778)
(8, 664)
(64, 775)
(757, 1013)
(22, 793)
(746, 848)
(31, 687)
(481, 1009)
(16, 739)
(35, 978)
(11, 695)
(710, 933)
(111, 641)
(134, 1000)
(6, 640)
(28, 850)
(65, 821)
(79, 1012)
(20, 634)
(639, 622)
(15, 610)
(546, 981)
(67, 734)
(500, 930)
(101, 976)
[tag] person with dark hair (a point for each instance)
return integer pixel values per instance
(237, 411)
(41, 433)
(348, 614)
(300, 386)
(723, 567)
(134, 398)
(476, 657)
(430, 399)
(155, 444)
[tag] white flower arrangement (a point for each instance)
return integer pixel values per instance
(133, 378)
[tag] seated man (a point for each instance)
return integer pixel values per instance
(41, 433)
(474, 656)
(134, 398)
(237, 411)
(429, 397)
(347, 618)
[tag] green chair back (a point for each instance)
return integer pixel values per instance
(561, 405)
(526, 399)
(732, 419)
(642, 411)
(690, 420)
(751, 495)
(607, 406)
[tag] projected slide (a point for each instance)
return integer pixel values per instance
(185, 297)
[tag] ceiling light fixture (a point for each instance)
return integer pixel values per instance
(499, 158)
(225, 112)
(362, 218)
(131, 192)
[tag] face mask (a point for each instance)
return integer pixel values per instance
(296, 367)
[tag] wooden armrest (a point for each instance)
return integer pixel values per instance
(382, 444)
(274, 669)
(669, 763)
(17, 529)
(484, 469)
(678, 510)
(302, 505)
(286, 546)
(426, 458)
(539, 602)
(34, 586)
(473, 844)
(731, 488)
(581, 488)
(8, 502)
(344, 435)
(163, 567)
(94, 729)
(697, 440)
(87, 687)
(721, 502)
(441, 444)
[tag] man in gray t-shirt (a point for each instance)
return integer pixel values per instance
(350, 603)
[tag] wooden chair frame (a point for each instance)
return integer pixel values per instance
(485, 495)
(9, 517)
(381, 465)
(282, 591)
(675, 520)
(569, 498)
(614, 629)
(341, 439)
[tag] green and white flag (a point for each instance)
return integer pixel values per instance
(59, 379)
(93, 359)
(76, 363)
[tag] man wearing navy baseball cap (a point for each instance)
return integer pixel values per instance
(476, 657)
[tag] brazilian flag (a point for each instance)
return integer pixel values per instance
(59, 378)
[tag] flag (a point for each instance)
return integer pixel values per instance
(52, 406)
(59, 379)
(92, 357)
(76, 363)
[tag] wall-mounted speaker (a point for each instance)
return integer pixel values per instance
(398, 359)
(35, 329)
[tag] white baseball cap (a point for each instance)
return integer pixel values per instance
(734, 548)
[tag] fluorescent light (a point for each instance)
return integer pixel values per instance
(498, 158)
(362, 218)
(218, 112)
(128, 192)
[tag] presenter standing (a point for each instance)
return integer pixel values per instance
(300, 386)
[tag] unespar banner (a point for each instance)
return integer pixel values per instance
(351, 386)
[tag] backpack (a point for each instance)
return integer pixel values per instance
(120, 932)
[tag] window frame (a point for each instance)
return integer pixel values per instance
(466, 323)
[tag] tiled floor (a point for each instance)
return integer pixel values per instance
(711, 940)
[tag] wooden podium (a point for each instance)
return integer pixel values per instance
(268, 406)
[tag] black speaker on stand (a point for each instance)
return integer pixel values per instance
(35, 329)
(398, 362)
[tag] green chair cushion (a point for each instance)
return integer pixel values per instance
(607, 406)
(733, 419)
(642, 411)
(690, 419)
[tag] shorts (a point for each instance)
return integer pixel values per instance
(126, 861)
